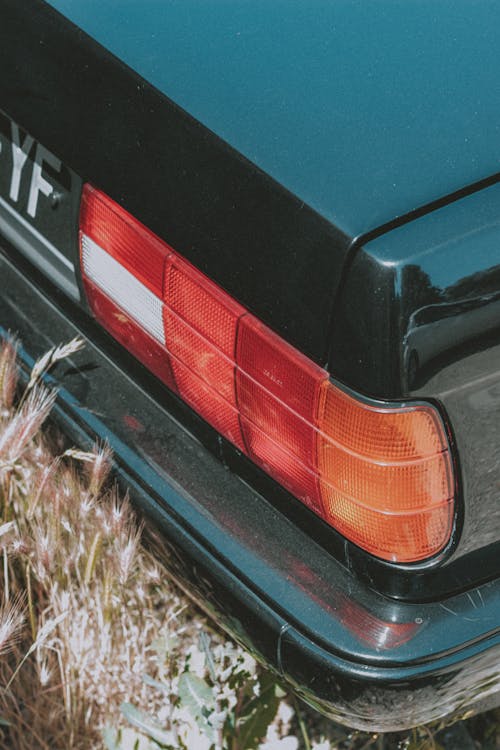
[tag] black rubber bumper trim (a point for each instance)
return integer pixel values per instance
(367, 661)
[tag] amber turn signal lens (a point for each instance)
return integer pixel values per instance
(386, 478)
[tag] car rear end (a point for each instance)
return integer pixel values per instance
(311, 474)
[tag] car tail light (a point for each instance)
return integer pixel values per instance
(122, 264)
(380, 474)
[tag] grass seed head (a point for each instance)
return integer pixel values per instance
(103, 625)
(11, 621)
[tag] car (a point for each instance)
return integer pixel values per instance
(275, 224)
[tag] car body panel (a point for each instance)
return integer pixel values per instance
(447, 257)
(365, 111)
(231, 220)
(446, 266)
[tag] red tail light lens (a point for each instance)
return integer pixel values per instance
(200, 331)
(278, 392)
(381, 475)
(122, 268)
(132, 245)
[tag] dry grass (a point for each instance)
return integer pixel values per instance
(97, 648)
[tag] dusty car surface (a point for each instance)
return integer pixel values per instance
(276, 226)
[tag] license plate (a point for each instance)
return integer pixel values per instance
(39, 205)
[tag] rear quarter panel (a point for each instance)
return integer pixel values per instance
(419, 316)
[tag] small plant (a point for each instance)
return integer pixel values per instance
(218, 699)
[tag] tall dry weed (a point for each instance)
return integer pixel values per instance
(91, 634)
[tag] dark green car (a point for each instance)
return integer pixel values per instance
(277, 225)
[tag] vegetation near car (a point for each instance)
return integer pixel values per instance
(97, 648)
(94, 642)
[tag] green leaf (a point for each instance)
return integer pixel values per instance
(268, 687)
(112, 738)
(205, 646)
(164, 645)
(126, 739)
(195, 694)
(4, 722)
(146, 724)
(147, 680)
(259, 713)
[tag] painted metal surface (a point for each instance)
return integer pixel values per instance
(277, 256)
(419, 316)
(363, 110)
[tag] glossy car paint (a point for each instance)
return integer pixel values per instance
(445, 265)
(354, 302)
(365, 111)
(252, 236)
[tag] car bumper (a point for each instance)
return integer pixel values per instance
(367, 661)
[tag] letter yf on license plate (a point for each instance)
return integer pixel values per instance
(39, 199)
